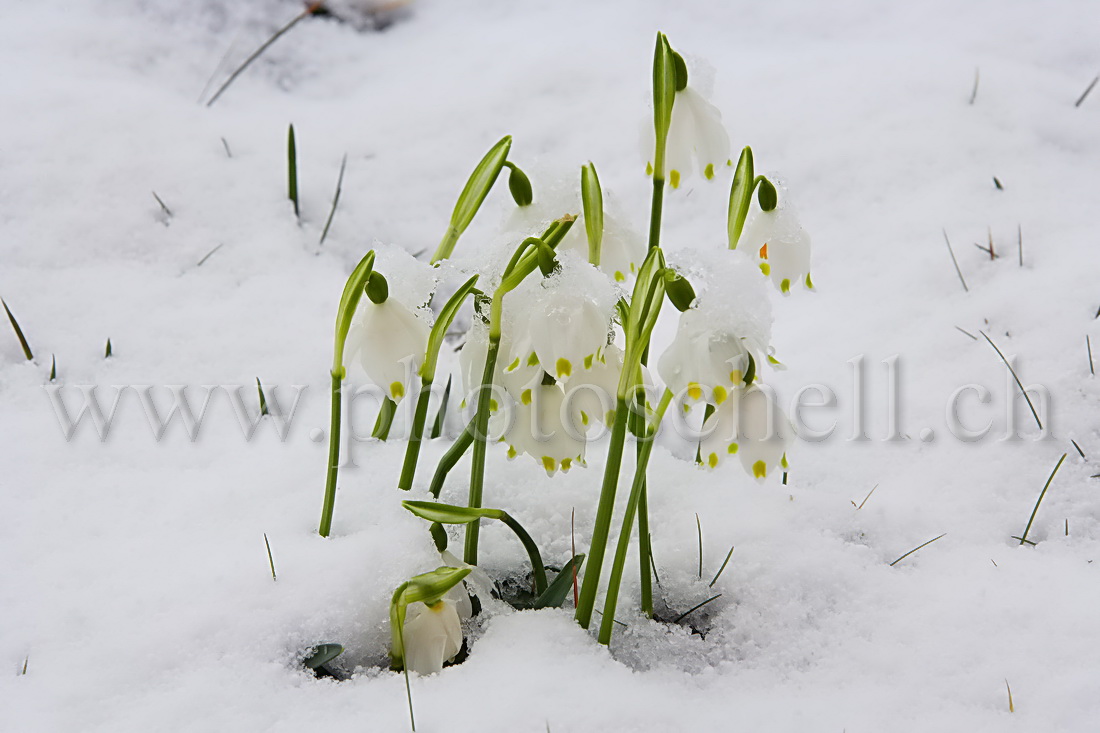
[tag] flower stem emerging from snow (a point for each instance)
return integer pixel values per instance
(469, 201)
(349, 301)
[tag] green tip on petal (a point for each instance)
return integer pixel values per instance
(525, 397)
(649, 169)
(712, 461)
(532, 360)
(708, 172)
(765, 268)
(785, 285)
(733, 448)
(588, 361)
(674, 178)
(619, 277)
(549, 464)
(584, 418)
(720, 394)
(759, 469)
(513, 366)
(564, 368)
(566, 464)
(511, 453)
(783, 462)
(493, 405)
(397, 391)
(809, 282)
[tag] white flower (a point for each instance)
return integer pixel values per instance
(750, 426)
(432, 635)
(543, 429)
(510, 375)
(390, 341)
(591, 393)
(565, 318)
(780, 243)
(695, 135)
(703, 363)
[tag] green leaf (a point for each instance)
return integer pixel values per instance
(519, 185)
(439, 536)
(592, 201)
(435, 511)
(439, 330)
(472, 196)
(740, 197)
(292, 169)
(322, 654)
(681, 70)
(547, 261)
(349, 301)
(556, 593)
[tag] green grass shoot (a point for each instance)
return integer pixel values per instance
(26, 660)
(955, 261)
(263, 400)
(699, 531)
(860, 506)
(270, 559)
(108, 352)
(1086, 92)
(53, 367)
(1011, 706)
(918, 547)
(335, 198)
(1088, 346)
(18, 332)
(721, 569)
(695, 608)
(208, 254)
(1023, 538)
(228, 152)
(163, 206)
(292, 170)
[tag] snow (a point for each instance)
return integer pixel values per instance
(136, 584)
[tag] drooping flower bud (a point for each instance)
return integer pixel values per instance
(781, 245)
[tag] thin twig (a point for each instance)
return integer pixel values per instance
(270, 559)
(1023, 538)
(311, 9)
(228, 152)
(961, 278)
(865, 498)
(1018, 382)
(967, 333)
(207, 255)
(18, 332)
(1020, 242)
(1088, 345)
(1081, 452)
(1011, 707)
(699, 529)
(997, 183)
(164, 206)
(696, 608)
(926, 544)
(721, 569)
(974, 91)
(1086, 92)
(573, 549)
(335, 198)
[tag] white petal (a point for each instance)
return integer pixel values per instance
(750, 426)
(432, 636)
(546, 431)
(710, 141)
(390, 342)
(591, 393)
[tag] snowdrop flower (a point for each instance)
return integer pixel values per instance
(565, 318)
(511, 375)
(390, 341)
(750, 426)
(544, 429)
(704, 362)
(590, 393)
(781, 244)
(432, 635)
(695, 136)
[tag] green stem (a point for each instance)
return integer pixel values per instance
(333, 457)
(452, 456)
(480, 436)
(603, 516)
(637, 491)
(384, 422)
(412, 452)
(532, 551)
(655, 208)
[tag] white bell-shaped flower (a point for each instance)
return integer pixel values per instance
(390, 342)
(751, 426)
(783, 247)
(590, 394)
(432, 635)
(510, 376)
(696, 137)
(544, 429)
(565, 318)
(703, 363)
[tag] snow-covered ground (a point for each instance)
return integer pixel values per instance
(136, 588)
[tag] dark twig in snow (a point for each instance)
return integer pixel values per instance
(721, 569)
(228, 152)
(311, 9)
(918, 547)
(1081, 452)
(163, 206)
(974, 91)
(1088, 345)
(18, 332)
(270, 559)
(952, 252)
(967, 333)
(1018, 382)
(1086, 92)
(335, 198)
(865, 498)
(997, 183)
(1020, 243)
(1043, 493)
(207, 255)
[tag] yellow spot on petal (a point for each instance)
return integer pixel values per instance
(588, 361)
(566, 464)
(729, 162)
(525, 397)
(397, 391)
(784, 463)
(773, 360)
(549, 464)
(619, 276)
(564, 368)
(735, 376)
(532, 360)
(649, 169)
(732, 448)
(511, 453)
(709, 171)
(674, 178)
(785, 285)
(720, 394)
(764, 251)
(493, 405)
(759, 469)
(765, 268)
(513, 366)
(584, 418)
(712, 461)
(694, 391)
(809, 282)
